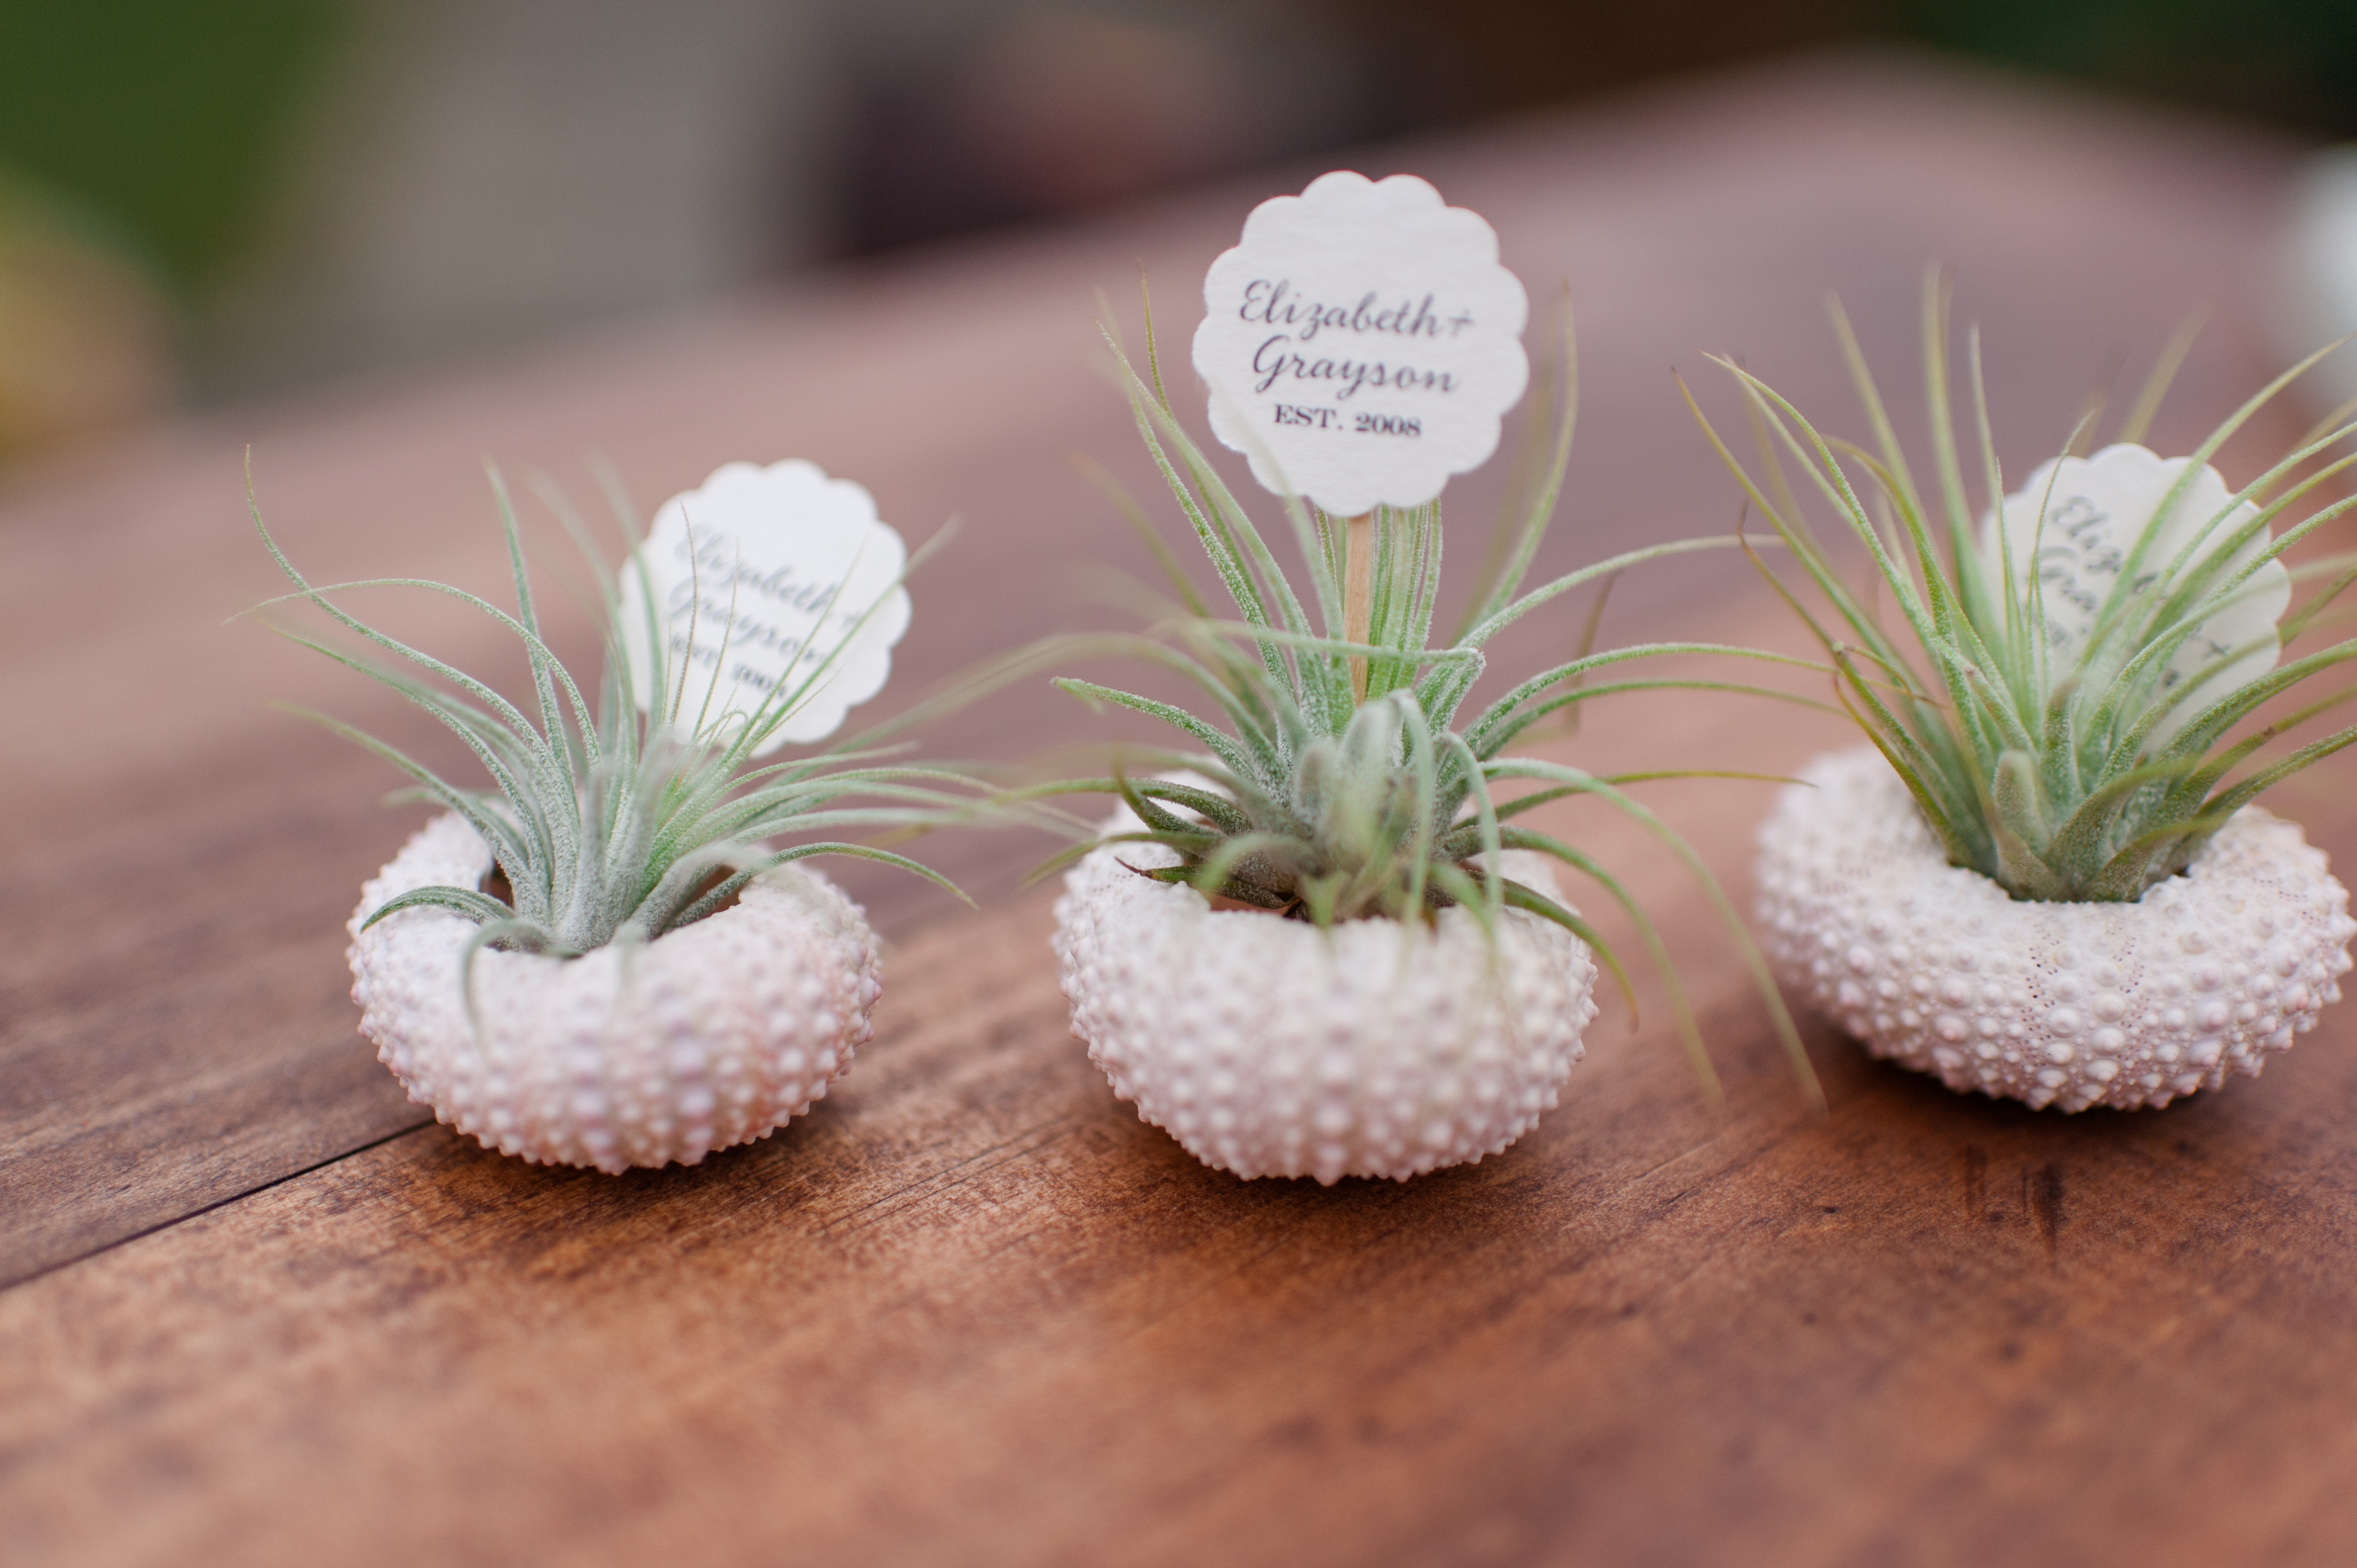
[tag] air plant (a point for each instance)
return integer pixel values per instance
(647, 816)
(1331, 782)
(2060, 702)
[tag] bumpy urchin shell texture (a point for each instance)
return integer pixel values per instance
(1269, 1048)
(2067, 1005)
(711, 1036)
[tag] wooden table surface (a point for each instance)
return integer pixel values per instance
(258, 1308)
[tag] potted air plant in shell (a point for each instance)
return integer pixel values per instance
(2045, 878)
(1318, 939)
(603, 960)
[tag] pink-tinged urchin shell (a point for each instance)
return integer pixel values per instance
(713, 1034)
(1269, 1048)
(2070, 1005)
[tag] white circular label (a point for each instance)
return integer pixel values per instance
(1362, 342)
(2095, 509)
(756, 578)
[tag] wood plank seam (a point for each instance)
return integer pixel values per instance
(56, 1264)
(949, 1177)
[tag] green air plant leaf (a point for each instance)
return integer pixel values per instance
(1332, 779)
(605, 824)
(2085, 661)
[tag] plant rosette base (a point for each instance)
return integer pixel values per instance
(1268, 1046)
(713, 1034)
(1936, 967)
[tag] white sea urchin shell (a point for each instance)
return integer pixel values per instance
(1269, 1048)
(2070, 1005)
(713, 1034)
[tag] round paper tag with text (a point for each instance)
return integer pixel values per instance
(752, 583)
(1362, 342)
(2074, 527)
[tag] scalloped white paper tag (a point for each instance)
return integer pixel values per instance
(1362, 342)
(2094, 510)
(756, 578)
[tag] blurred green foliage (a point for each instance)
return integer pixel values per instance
(2292, 62)
(169, 119)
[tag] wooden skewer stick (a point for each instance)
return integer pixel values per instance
(1358, 591)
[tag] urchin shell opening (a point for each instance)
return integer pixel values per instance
(2069, 1004)
(2021, 898)
(495, 884)
(1297, 910)
(1221, 904)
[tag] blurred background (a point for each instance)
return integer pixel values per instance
(202, 199)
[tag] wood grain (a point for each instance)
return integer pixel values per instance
(971, 1310)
